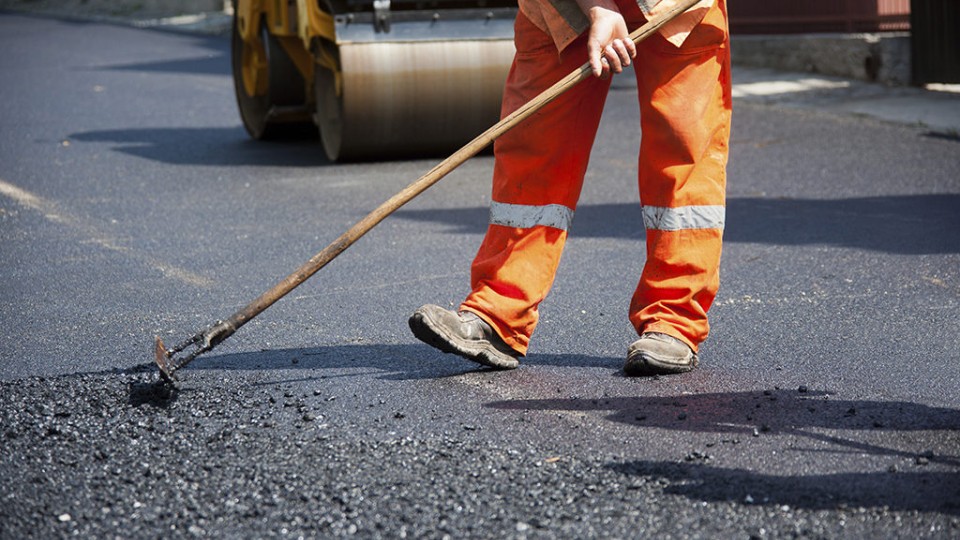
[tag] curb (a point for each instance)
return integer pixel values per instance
(881, 58)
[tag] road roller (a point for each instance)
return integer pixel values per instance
(380, 79)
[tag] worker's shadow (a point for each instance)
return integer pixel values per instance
(916, 490)
(409, 362)
(390, 362)
(917, 481)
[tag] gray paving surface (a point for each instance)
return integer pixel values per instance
(132, 204)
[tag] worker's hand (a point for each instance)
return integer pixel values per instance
(609, 46)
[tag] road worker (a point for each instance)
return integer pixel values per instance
(683, 86)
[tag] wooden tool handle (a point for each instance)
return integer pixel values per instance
(456, 159)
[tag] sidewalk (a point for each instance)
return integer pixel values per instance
(935, 111)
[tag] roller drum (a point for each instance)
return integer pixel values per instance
(411, 98)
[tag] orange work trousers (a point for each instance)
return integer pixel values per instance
(685, 109)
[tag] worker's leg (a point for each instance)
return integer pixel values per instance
(685, 109)
(536, 184)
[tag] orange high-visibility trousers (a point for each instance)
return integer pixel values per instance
(685, 108)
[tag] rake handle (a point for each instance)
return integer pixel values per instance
(223, 330)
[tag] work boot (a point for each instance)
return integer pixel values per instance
(659, 354)
(464, 334)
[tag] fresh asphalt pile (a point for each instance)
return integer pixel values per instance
(119, 454)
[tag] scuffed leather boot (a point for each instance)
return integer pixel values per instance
(464, 334)
(659, 354)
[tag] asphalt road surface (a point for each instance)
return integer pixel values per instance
(132, 204)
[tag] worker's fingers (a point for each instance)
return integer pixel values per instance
(613, 58)
(623, 50)
(595, 56)
(631, 48)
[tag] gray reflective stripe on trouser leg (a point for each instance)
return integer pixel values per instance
(685, 217)
(524, 216)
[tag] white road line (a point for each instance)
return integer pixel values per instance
(91, 234)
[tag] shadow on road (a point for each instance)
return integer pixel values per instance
(772, 411)
(217, 147)
(396, 362)
(903, 224)
(894, 491)
(213, 64)
(225, 146)
(805, 415)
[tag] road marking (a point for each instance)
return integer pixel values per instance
(91, 234)
(24, 198)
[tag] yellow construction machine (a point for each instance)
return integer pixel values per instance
(379, 78)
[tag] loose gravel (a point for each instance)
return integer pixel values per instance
(119, 455)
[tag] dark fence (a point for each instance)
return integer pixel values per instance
(813, 16)
(935, 41)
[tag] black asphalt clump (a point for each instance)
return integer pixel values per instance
(120, 454)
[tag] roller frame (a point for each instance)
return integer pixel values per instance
(310, 23)
(313, 36)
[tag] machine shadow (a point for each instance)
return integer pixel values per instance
(216, 63)
(901, 224)
(216, 147)
(805, 415)
(230, 147)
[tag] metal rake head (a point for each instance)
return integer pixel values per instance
(171, 360)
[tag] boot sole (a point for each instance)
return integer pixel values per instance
(436, 336)
(646, 364)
